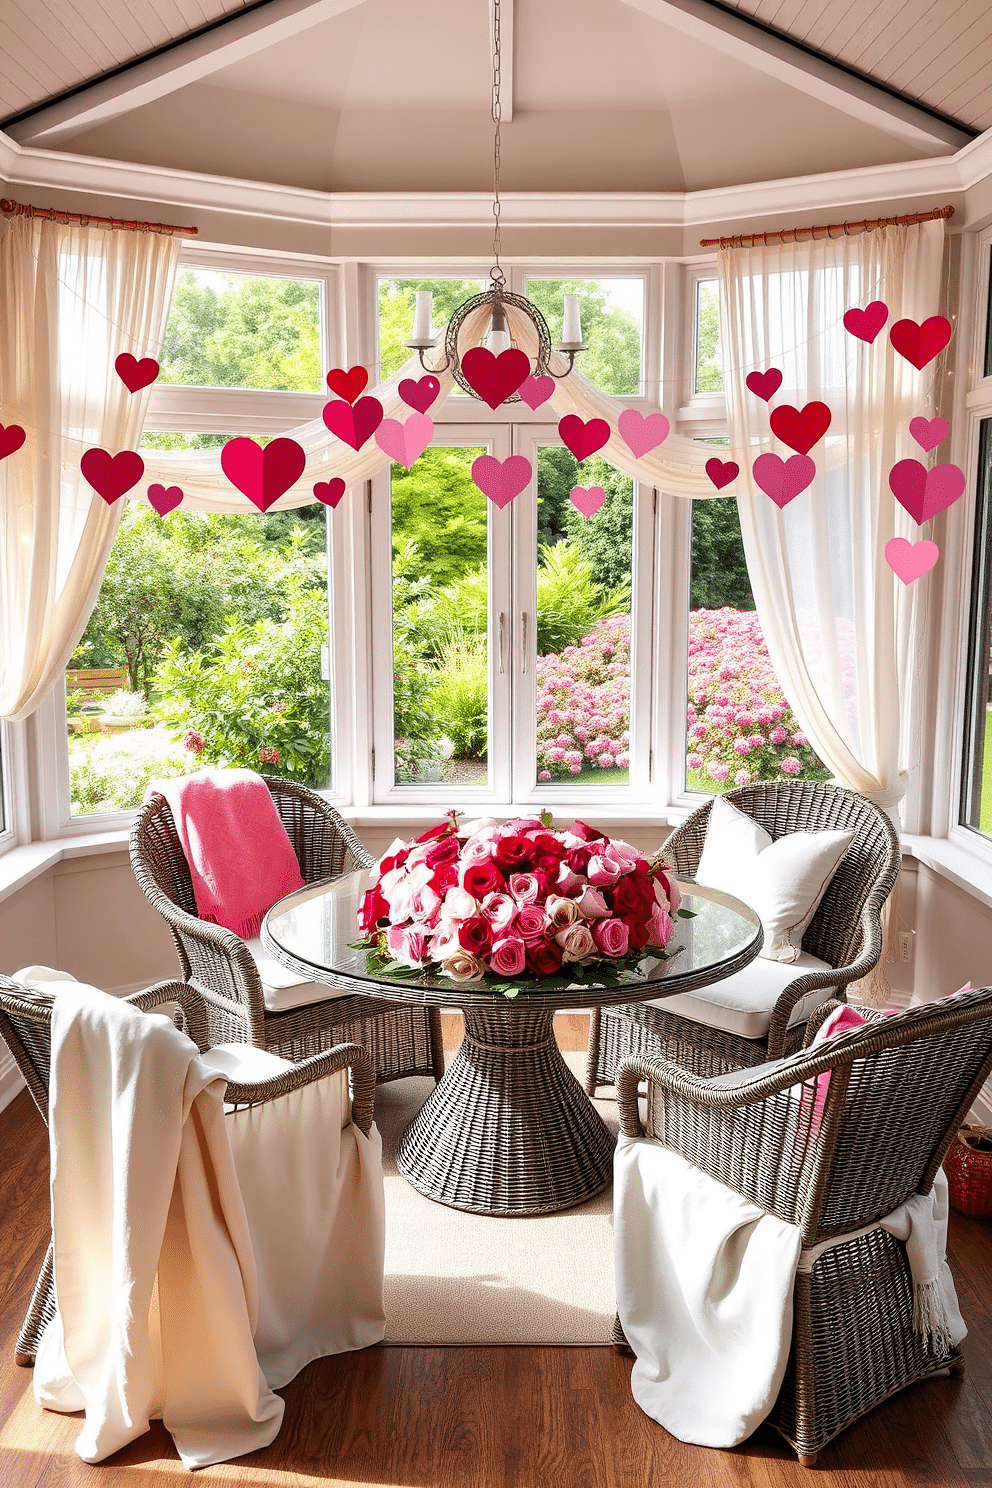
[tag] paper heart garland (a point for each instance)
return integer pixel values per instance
(536, 390)
(420, 394)
(919, 344)
(925, 492)
(909, 561)
(721, 472)
(136, 375)
(764, 384)
(165, 499)
(783, 480)
(405, 442)
(583, 439)
(800, 428)
(587, 501)
(11, 439)
(347, 384)
(263, 475)
(642, 433)
(355, 426)
(330, 492)
(501, 480)
(112, 475)
(866, 323)
(928, 433)
(495, 378)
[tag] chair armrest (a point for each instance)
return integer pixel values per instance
(840, 976)
(327, 1062)
(191, 1004)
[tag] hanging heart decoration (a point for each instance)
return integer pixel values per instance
(165, 499)
(112, 475)
(536, 390)
(420, 394)
(330, 492)
(353, 425)
(583, 439)
(922, 492)
(501, 480)
(263, 474)
(909, 561)
(764, 384)
(800, 428)
(642, 433)
(783, 480)
(136, 375)
(866, 323)
(347, 384)
(495, 378)
(919, 344)
(928, 433)
(405, 442)
(587, 501)
(11, 439)
(722, 472)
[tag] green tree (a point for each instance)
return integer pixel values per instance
(249, 332)
(719, 569)
(605, 539)
(438, 506)
(557, 473)
(709, 367)
(397, 299)
(612, 334)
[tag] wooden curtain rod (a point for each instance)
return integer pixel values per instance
(55, 214)
(792, 234)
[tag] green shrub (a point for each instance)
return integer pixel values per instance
(460, 696)
(111, 772)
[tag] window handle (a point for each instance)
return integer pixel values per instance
(523, 640)
(502, 639)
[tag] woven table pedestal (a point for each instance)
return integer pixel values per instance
(509, 1129)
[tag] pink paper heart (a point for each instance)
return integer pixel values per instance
(263, 475)
(721, 472)
(354, 425)
(11, 439)
(112, 475)
(405, 442)
(330, 492)
(420, 394)
(136, 375)
(909, 561)
(764, 384)
(165, 499)
(928, 433)
(501, 480)
(925, 492)
(583, 439)
(920, 343)
(866, 323)
(347, 384)
(642, 433)
(783, 480)
(495, 378)
(536, 390)
(587, 501)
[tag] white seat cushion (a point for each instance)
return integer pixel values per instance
(283, 989)
(743, 1003)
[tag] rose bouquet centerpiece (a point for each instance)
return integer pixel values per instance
(506, 903)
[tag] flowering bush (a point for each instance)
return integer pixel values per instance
(111, 772)
(583, 704)
(514, 901)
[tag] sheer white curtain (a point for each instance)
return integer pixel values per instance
(837, 621)
(73, 299)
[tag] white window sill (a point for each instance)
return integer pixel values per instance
(969, 871)
(22, 864)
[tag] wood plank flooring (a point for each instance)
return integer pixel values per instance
(486, 1417)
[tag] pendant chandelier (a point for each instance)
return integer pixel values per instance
(496, 337)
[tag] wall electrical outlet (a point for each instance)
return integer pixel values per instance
(906, 946)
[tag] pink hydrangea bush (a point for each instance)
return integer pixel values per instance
(583, 704)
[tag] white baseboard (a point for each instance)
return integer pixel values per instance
(981, 1112)
(11, 1079)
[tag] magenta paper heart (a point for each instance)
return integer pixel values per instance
(405, 442)
(536, 390)
(583, 439)
(112, 475)
(909, 561)
(136, 375)
(501, 480)
(800, 428)
(721, 473)
(495, 378)
(783, 480)
(263, 475)
(928, 433)
(764, 384)
(925, 492)
(642, 433)
(866, 323)
(348, 384)
(919, 344)
(354, 425)
(11, 439)
(330, 492)
(165, 499)
(587, 501)
(421, 394)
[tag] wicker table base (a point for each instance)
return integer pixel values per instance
(509, 1130)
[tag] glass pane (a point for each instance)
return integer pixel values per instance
(583, 623)
(612, 316)
(242, 331)
(709, 368)
(987, 366)
(440, 593)
(976, 782)
(207, 646)
(397, 298)
(739, 726)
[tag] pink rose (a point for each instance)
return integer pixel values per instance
(498, 909)
(531, 923)
(409, 947)
(508, 956)
(611, 936)
(592, 905)
(660, 927)
(459, 905)
(568, 882)
(525, 887)
(576, 943)
(424, 906)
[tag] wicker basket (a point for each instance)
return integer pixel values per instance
(968, 1166)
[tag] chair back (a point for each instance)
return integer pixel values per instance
(26, 1029)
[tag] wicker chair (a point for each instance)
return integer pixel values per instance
(845, 932)
(900, 1087)
(402, 1040)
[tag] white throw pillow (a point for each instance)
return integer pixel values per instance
(782, 880)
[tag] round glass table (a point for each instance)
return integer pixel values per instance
(508, 1129)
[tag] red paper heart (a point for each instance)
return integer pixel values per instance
(721, 473)
(536, 390)
(330, 492)
(353, 425)
(919, 344)
(928, 433)
(11, 439)
(164, 499)
(495, 378)
(263, 475)
(866, 323)
(501, 480)
(925, 492)
(800, 428)
(783, 480)
(348, 384)
(112, 475)
(133, 374)
(764, 384)
(421, 394)
(583, 439)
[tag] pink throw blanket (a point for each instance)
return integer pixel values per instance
(239, 853)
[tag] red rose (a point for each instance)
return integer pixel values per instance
(443, 829)
(640, 931)
(547, 845)
(445, 850)
(543, 958)
(444, 877)
(397, 860)
(578, 859)
(480, 879)
(374, 908)
(513, 854)
(632, 895)
(475, 935)
(587, 833)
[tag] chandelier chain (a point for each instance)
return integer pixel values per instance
(496, 273)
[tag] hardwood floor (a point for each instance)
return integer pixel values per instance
(487, 1417)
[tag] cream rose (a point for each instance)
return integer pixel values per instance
(461, 966)
(561, 912)
(576, 943)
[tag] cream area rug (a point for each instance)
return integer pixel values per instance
(456, 1278)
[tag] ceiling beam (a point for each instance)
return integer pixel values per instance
(190, 60)
(755, 46)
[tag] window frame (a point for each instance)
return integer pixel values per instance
(699, 414)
